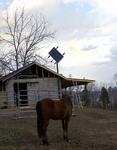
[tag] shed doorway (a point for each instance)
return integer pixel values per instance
(20, 94)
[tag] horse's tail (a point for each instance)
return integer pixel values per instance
(39, 119)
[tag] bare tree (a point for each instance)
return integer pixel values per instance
(24, 34)
(115, 78)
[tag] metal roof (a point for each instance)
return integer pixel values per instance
(66, 82)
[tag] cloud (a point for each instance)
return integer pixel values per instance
(114, 53)
(75, 56)
(35, 4)
(32, 4)
(106, 6)
(86, 32)
(100, 73)
(89, 47)
(69, 1)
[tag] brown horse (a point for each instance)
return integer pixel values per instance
(53, 109)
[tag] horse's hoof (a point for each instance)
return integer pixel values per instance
(66, 139)
(45, 143)
(40, 142)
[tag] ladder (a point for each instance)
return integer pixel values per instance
(76, 96)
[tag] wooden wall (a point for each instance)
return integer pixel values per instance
(3, 99)
(37, 89)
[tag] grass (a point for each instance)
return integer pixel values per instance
(13, 139)
(90, 129)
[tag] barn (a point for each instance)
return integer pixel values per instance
(33, 82)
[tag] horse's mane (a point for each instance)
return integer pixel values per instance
(67, 98)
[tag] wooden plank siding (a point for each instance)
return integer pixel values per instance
(36, 89)
(3, 99)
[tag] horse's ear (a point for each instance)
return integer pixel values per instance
(64, 95)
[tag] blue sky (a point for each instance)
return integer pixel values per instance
(86, 32)
(4, 4)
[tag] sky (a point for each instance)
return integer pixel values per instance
(86, 30)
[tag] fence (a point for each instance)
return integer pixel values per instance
(22, 102)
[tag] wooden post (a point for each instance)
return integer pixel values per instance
(58, 79)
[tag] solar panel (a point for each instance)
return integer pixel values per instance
(56, 55)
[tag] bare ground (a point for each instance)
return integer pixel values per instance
(89, 129)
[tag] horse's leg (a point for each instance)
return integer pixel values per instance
(66, 123)
(44, 137)
(39, 129)
(63, 126)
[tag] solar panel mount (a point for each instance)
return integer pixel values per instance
(56, 55)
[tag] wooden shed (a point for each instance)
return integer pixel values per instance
(33, 82)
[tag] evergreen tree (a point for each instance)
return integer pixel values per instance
(104, 97)
(86, 97)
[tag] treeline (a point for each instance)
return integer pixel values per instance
(100, 97)
(105, 98)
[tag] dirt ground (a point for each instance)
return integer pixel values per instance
(89, 129)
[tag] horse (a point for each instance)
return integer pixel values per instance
(48, 109)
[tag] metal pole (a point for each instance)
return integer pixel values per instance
(17, 99)
(57, 67)
(58, 79)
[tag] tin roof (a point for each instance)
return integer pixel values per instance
(66, 82)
